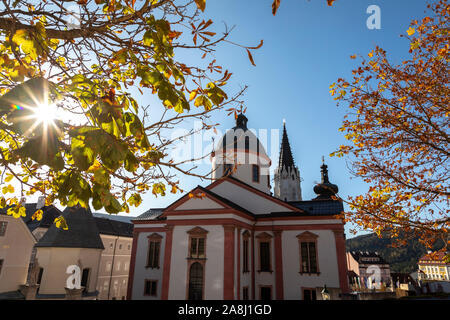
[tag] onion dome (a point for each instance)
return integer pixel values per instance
(325, 190)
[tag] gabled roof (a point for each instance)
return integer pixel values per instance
(212, 195)
(82, 233)
(253, 189)
(226, 201)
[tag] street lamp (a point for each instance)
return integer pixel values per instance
(325, 293)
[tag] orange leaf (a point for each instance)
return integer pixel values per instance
(201, 4)
(251, 58)
(275, 5)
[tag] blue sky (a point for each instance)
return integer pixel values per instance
(307, 46)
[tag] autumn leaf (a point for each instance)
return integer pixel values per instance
(201, 4)
(61, 223)
(251, 57)
(37, 215)
(275, 6)
(411, 31)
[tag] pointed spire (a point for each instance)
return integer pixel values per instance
(286, 159)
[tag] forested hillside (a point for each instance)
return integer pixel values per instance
(401, 259)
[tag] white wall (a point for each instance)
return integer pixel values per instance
(214, 266)
(247, 199)
(327, 258)
(198, 204)
(141, 273)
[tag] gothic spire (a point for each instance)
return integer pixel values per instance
(286, 159)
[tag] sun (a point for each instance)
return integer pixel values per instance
(45, 113)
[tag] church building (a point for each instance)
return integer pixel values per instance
(235, 240)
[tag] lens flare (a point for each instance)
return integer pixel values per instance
(17, 107)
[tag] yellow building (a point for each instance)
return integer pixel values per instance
(434, 266)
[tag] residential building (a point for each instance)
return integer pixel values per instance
(434, 266)
(368, 270)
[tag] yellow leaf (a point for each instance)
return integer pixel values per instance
(192, 95)
(411, 31)
(60, 222)
(37, 215)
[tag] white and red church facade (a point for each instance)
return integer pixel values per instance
(234, 240)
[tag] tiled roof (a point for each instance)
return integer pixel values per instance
(368, 257)
(438, 256)
(49, 215)
(82, 233)
(151, 214)
(319, 207)
(114, 228)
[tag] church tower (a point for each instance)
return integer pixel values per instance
(287, 177)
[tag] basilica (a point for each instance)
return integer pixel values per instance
(236, 240)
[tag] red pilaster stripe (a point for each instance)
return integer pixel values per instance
(228, 274)
(342, 265)
(167, 260)
(279, 266)
(238, 263)
(253, 265)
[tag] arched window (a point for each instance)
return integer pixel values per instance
(247, 143)
(196, 282)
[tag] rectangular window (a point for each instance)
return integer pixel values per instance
(255, 173)
(150, 287)
(197, 248)
(266, 293)
(309, 257)
(309, 294)
(153, 254)
(245, 293)
(245, 253)
(3, 225)
(264, 256)
(1, 265)
(85, 279)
